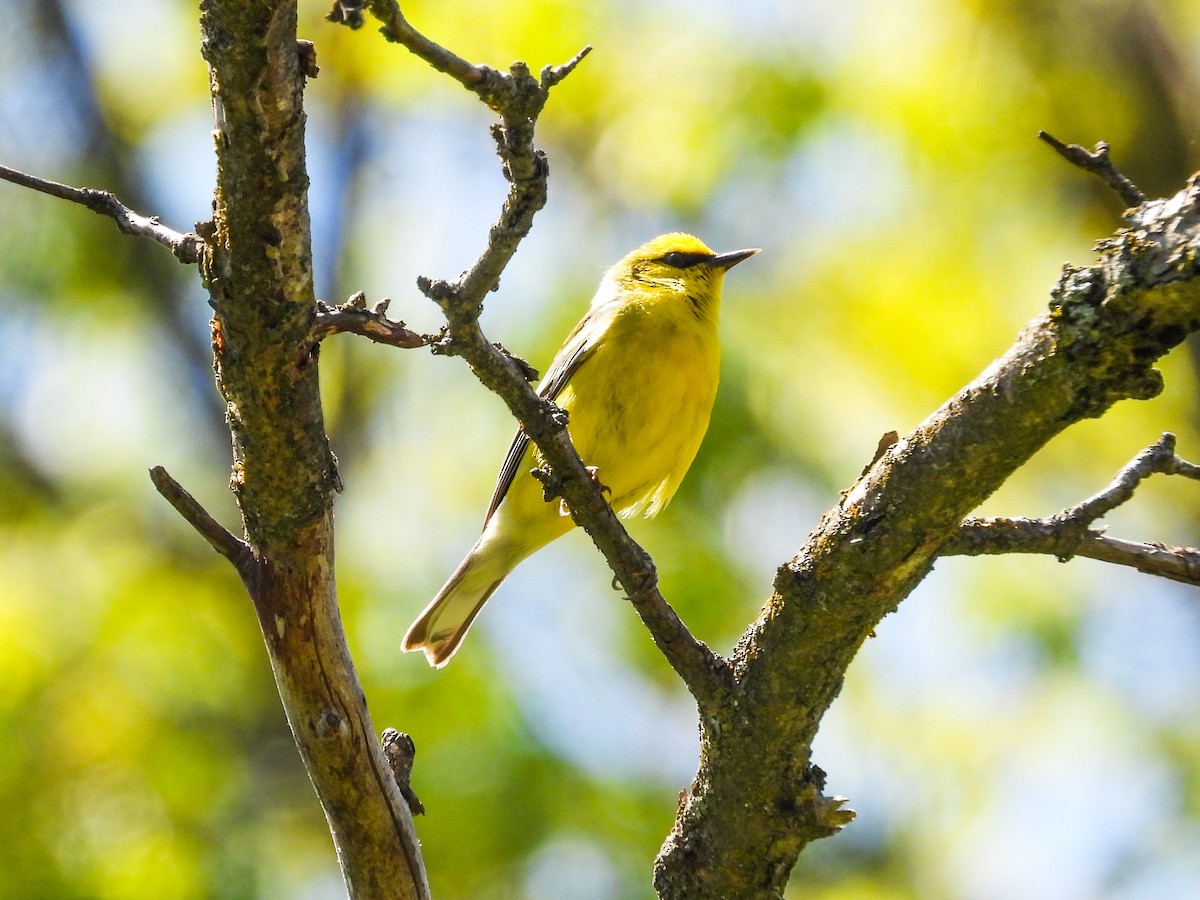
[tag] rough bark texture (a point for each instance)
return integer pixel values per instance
(756, 799)
(258, 269)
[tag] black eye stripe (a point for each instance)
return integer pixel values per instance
(680, 260)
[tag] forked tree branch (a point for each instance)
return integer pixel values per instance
(1070, 532)
(258, 268)
(1158, 458)
(187, 247)
(740, 828)
(757, 799)
(519, 98)
(482, 80)
(259, 276)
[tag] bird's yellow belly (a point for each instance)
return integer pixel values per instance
(642, 432)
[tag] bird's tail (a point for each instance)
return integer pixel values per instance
(441, 627)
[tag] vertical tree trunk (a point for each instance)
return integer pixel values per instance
(259, 273)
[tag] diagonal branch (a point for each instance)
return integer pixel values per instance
(187, 248)
(396, 29)
(490, 84)
(1098, 163)
(1107, 324)
(519, 98)
(1159, 457)
(1070, 532)
(1180, 564)
(218, 536)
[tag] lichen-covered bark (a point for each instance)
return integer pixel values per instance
(258, 270)
(260, 274)
(756, 801)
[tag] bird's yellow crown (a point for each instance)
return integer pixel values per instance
(668, 254)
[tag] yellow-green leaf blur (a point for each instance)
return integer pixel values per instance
(1019, 728)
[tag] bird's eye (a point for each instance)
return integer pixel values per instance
(679, 260)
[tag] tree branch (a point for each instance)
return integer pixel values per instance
(482, 80)
(519, 98)
(994, 536)
(187, 248)
(1098, 163)
(259, 276)
(742, 825)
(1069, 533)
(757, 799)
(219, 538)
(353, 316)
(397, 30)
(1158, 457)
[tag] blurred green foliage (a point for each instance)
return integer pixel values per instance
(1018, 728)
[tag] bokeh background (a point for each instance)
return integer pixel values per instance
(1018, 729)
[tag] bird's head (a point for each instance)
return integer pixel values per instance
(678, 265)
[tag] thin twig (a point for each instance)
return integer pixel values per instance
(396, 29)
(221, 539)
(1176, 563)
(552, 75)
(187, 248)
(1158, 457)
(995, 536)
(1098, 163)
(1070, 532)
(354, 317)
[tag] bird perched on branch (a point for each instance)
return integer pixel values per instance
(637, 377)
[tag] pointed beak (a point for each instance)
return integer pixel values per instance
(729, 260)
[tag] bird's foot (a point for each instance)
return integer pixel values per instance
(594, 474)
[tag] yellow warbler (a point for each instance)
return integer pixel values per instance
(637, 377)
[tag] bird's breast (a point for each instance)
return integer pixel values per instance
(640, 405)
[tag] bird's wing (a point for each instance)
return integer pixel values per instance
(577, 348)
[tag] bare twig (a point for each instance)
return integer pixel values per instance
(490, 84)
(1098, 163)
(994, 536)
(1158, 457)
(221, 539)
(1176, 563)
(552, 75)
(353, 316)
(396, 29)
(519, 98)
(186, 247)
(1070, 532)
